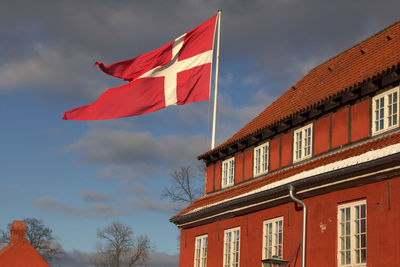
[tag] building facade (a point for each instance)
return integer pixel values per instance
(334, 138)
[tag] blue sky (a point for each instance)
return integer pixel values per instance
(80, 176)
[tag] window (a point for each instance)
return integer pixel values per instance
(261, 159)
(302, 147)
(272, 238)
(200, 252)
(352, 234)
(231, 247)
(385, 115)
(228, 172)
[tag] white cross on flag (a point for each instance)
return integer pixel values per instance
(174, 74)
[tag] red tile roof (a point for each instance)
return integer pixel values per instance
(280, 175)
(19, 252)
(361, 62)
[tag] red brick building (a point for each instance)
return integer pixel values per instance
(333, 142)
(19, 252)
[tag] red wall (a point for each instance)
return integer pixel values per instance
(360, 121)
(274, 153)
(287, 149)
(239, 168)
(340, 128)
(248, 168)
(209, 186)
(321, 135)
(383, 231)
(218, 175)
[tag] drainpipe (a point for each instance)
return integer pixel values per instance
(303, 252)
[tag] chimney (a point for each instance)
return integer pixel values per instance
(18, 230)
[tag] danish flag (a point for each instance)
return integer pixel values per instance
(174, 74)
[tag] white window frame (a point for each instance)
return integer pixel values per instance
(260, 159)
(272, 238)
(228, 172)
(383, 116)
(348, 238)
(200, 251)
(231, 256)
(303, 143)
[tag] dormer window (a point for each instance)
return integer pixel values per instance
(385, 111)
(302, 143)
(260, 159)
(228, 172)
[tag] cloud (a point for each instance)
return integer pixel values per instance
(49, 46)
(232, 117)
(130, 154)
(133, 190)
(127, 203)
(163, 260)
(73, 258)
(146, 203)
(93, 211)
(125, 148)
(78, 258)
(54, 71)
(93, 196)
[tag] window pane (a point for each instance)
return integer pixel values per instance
(363, 256)
(363, 226)
(347, 228)
(363, 241)
(363, 215)
(348, 258)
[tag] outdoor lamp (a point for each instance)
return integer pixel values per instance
(274, 262)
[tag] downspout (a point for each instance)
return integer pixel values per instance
(303, 249)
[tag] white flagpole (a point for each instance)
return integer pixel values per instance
(216, 80)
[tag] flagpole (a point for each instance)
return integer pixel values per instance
(216, 80)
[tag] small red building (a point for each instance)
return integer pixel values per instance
(19, 252)
(322, 161)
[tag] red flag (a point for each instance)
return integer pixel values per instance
(174, 74)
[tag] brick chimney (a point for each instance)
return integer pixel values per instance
(18, 230)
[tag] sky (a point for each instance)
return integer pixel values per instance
(79, 176)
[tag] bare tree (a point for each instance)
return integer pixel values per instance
(184, 187)
(40, 237)
(120, 248)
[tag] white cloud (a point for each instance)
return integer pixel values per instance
(54, 71)
(146, 203)
(78, 258)
(94, 196)
(51, 204)
(131, 154)
(251, 80)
